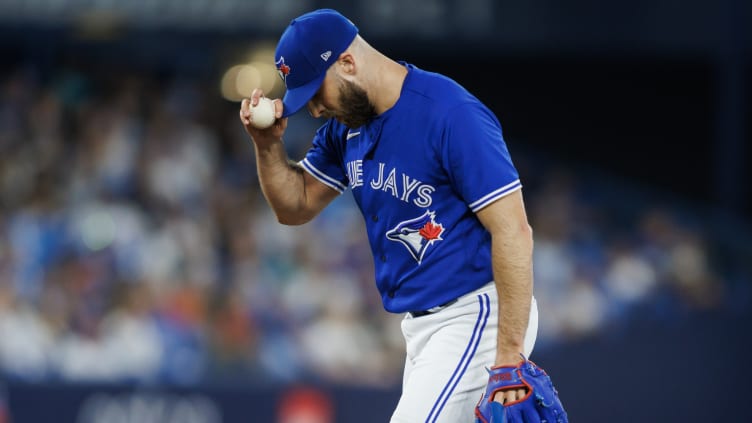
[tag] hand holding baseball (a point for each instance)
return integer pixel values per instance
(263, 113)
(261, 117)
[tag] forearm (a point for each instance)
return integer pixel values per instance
(513, 273)
(282, 183)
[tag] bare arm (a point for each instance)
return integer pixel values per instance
(295, 196)
(512, 256)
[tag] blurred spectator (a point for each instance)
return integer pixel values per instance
(132, 338)
(25, 341)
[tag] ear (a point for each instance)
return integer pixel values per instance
(346, 63)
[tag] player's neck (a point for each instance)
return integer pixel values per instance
(386, 90)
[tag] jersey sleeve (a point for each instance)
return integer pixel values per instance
(476, 156)
(324, 159)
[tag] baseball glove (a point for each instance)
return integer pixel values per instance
(540, 405)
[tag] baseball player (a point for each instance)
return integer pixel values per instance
(442, 202)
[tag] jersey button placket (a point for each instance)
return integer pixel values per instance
(383, 258)
(375, 218)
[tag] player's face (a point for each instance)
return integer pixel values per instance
(343, 100)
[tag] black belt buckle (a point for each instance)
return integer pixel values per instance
(432, 310)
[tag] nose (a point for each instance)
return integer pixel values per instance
(315, 109)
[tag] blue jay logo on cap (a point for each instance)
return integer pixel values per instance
(282, 69)
(417, 234)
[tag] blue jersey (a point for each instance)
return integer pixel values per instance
(419, 172)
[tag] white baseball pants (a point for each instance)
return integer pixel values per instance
(447, 355)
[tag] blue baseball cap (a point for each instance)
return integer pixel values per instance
(310, 44)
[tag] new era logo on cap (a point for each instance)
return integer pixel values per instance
(304, 52)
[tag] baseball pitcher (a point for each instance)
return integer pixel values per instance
(430, 171)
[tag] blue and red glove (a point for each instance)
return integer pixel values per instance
(541, 404)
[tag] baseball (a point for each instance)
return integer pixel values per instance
(262, 115)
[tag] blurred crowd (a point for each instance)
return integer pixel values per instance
(135, 245)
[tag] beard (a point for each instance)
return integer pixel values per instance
(357, 109)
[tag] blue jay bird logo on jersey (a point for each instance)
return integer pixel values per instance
(417, 234)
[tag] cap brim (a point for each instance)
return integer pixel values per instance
(296, 98)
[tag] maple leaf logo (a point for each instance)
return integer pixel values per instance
(431, 231)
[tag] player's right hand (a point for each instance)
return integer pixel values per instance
(270, 135)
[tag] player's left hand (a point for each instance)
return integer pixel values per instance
(527, 395)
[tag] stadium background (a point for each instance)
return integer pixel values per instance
(142, 277)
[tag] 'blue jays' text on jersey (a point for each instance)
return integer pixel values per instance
(419, 172)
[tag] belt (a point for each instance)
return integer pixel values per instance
(432, 310)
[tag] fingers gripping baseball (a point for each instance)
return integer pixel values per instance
(262, 117)
(539, 401)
